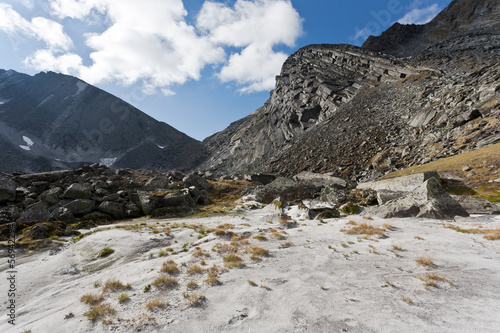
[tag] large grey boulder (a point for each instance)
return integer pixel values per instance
(262, 178)
(333, 195)
(402, 184)
(52, 196)
(157, 183)
(80, 207)
(7, 189)
(289, 189)
(78, 191)
(151, 201)
(36, 212)
(476, 205)
(62, 214)
(197, 181)
(429, 200)
(323, 180)
(114, 209)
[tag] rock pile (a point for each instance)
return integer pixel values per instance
(95, 194)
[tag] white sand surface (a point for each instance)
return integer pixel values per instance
(326, 281)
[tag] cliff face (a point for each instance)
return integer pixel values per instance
(358, 113)
(51, 121)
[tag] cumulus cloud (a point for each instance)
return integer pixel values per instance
(420, 16)
(40, 28)
(256, 27)
(151, 43)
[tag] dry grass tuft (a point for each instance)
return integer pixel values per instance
(284, 245)
(364, 229)
(426, 262)
(430, 280)
(195, 269)
(170, 267)
(194, 299)
(92, 299)
(233, 260)
(489, 234)
(156, 303)
(124, 297)
(115, 285)
(253, 284)
(99, 310)
(166, 282)
(192, 285)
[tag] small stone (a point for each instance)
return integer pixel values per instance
(466, 168)
(66, 270)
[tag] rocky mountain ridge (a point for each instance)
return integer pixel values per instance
(359, 113)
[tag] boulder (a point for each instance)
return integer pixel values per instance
(429, 200)
(384, 196)
(158, 183)
(288, 189)
(62, 214)
(7, 189)
(322, 212)
(262, 178)
(333, 195)
(43, 230)
(78, 191)
(399, 184)
(476, 205)
(36, 212)
(52, 196)
(39, 187)
(323, 180)
(197, 181)
(114, 209)
(151, 201)
(9, 214)
(80, 207)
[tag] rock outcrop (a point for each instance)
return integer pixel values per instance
(360, 113)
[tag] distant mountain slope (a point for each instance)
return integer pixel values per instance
(50, 121)
(360, 113)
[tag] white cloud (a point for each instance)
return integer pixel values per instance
(150, 42)
(420, 16)
(40, 28)
(257, 27)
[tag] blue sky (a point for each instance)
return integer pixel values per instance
(197, 65)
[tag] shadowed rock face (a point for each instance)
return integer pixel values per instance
(359, 114)
(50, 121)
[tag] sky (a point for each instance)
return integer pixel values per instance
(197, 65)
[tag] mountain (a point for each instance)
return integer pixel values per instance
(52, 121)
(412, 95)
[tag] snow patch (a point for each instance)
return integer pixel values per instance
(81, 87)
(25, 147)
(161, 147)
(46, 99)
(108, 161)
(28, 141)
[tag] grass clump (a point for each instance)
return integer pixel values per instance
(106, 252)
(192, 285)
(233, 260)
(194, 299)
(284, 245)
(431, 279)
(253, 284)
(166, 282)
(156, 303)
(258, 252)
(407, 300)
(195, 269)
(170, 267)
(426, 262)
(262, 238)
(364, 229)
(92, 299)
(115, 285)
(99, 310)
(490, 234)
(124, 297)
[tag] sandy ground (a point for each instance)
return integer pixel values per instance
(324, 281)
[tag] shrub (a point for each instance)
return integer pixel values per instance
(191, 285)
(349, 208)
(195, 269)
(156, 303)
(194, 299)
(233, 260)
(426, 262)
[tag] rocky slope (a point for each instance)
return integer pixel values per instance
(52, 121)
(361, 113)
